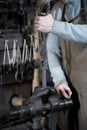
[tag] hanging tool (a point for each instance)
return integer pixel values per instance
(25, 65)
(6, 66)
(26, 54)
(19, 74)
(32, 48)
(24, 51)
(14, 53)
(8, 54)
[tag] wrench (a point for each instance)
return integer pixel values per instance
(19, 76)
(6, 50)
(7, 68)
(14, 53)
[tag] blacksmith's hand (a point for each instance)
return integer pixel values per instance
(44, 23)
(64, 90)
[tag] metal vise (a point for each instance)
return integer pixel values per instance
(42, 103)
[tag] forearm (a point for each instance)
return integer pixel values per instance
(53, 54)
(71, 32)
